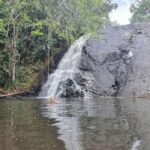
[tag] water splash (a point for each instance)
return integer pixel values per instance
(67, 68)
(136, 145)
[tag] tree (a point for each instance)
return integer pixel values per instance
(141, 11)
(32, 31)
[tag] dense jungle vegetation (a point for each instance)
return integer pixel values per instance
(33, 31)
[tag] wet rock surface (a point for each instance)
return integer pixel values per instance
(118, 62)
(68, 88)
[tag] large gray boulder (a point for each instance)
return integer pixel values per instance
(68, 88)
(118, 62)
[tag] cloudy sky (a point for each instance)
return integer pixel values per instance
(122, 13)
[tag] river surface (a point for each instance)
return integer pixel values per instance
(75, 124)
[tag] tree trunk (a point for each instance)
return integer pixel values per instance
(12, 57)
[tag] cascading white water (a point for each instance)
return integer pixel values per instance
(67, 67)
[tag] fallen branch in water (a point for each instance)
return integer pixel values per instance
(15, 94)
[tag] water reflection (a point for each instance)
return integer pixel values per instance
(102, 124)
(66, 116)
(23, 128)
(98, 124)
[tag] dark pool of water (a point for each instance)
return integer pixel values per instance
(92, 124)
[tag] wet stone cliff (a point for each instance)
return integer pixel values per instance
(117, 63)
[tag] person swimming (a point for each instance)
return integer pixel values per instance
(52, 100)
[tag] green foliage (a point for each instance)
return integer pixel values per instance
(31, 30)
(4, 71)
(2, 33)
(37, 33)
(141, 11)
(23, 74)
(2, 25)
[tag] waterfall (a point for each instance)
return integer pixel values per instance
(67, 68)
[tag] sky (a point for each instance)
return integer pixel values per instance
(122, 14)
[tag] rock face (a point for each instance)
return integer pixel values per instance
(117, 63)
(68, 88)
